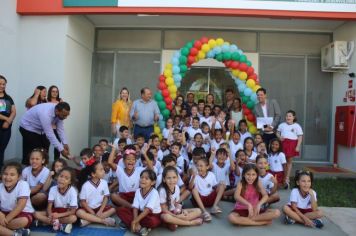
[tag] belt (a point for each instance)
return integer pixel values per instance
(144, 127)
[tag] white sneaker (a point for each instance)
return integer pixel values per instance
(66, 228)
(84, 223)
(110, 221)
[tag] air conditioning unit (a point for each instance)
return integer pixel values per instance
(334, 56)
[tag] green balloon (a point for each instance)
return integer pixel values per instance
(243, 58)
(249, 63)
(184, 51)
(183, 68)
(235, 56)
(189, 45)
(162, 105)
(158, 97)
(165, 113)
(227, 55)
(219, 57)
(245, 99)
(250, 104)
(182, 60)
(182, 74)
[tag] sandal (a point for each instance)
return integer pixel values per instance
(206, 216)
(215, 210)
(198, 221)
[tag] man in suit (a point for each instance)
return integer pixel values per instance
(267, 108)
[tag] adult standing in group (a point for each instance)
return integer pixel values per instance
(120, 112)
(38, 97)
(178, 105)
(53, 97)
(210, 100)
(190, 102)
(144, 113)
(267, 108)
(37, 131)
(229, 99)
(7, 116)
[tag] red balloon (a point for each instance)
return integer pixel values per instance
(253, 76)
(244, 106)
(194, 52)
(168, 100)
(250, 117)
(234, 65)
(162, 85)
(162, 78)
(165, 93)
(191, 59)
(204, 40)
(250, 70)
(169, 106)
(246, 112)
(243, 66)
(197, 44)
(227, 63)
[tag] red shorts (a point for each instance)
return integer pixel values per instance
(150, 221)
(129, 196)
(97, 209)
(27, 215)
(279, 176)
(208, 201)
(244, 212)
(303, 211)
(60, 210)
(289, 146)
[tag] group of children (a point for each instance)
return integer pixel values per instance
(146, 184)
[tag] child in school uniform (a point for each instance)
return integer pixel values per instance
(110, 175)
(167, 132)
(217, 140)
(248, 148)
(302, 207)
(250, 196)
(194, 129)
(145, 213)
(202, 185)
(277, 163)
(36, 175)
(169, 193)
(51, 181)
(235, 144)
(128, 176)
(94, 196)
(207, 117)
(16, 211)
(243, 131)
(267, 179)
(62, 203)
(176, 150)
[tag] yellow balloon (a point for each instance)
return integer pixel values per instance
(236, 73)
(156, 130)
(173, 95)
(219, 41)
(205, 47)
(249, 124)
(169, 66)
(243, 75)
(256, 88)
(167, 73)
(172, 89)
(252, 129)
(160, 136)
(169, 81)
(212, 43)
(201, 55)
(250, 83)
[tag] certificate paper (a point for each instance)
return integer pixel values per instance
(261, 121)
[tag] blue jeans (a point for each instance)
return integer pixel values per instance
(145, 131)
(5, 135)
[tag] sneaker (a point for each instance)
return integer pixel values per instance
(22, 232)
(144, 231)
(122, 225)
(289, 221)
(66, 228)
(110, 221)
(84, 223)
(56, 225)
(318, 223)
(35, 223)
(265, 206)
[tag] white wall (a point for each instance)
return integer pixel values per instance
(346, 155)
(77, 80)
(47, 50)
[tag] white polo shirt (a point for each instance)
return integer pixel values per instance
(291, 131)
(267, 182)
(8, 198)
(191, 131)
(180, 182)
(68, 199)
(128, 182)
(93, 193)
(276, 161)
(302, 202)
(32, 180)
(252, 157)
(222, 173)
(174, 198)
(205, 184)
(149, 200)
(234, 148)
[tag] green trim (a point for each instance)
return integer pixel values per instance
(90, 3)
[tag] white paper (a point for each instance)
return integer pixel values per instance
(261, 121)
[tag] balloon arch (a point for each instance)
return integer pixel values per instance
(240, 67)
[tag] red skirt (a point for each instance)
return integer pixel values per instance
(279, 176)
(150, 221)
(106, 208)
(289, 146)
(27, 215)
(244, 212)
(208, 201)
(129, 196)
(303, 211)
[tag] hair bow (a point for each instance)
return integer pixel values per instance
(129, 151)
(90, 162)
